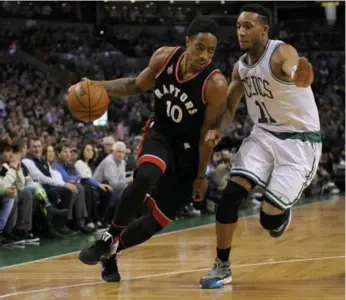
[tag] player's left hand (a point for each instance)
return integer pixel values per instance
(213, 137)
(304, 75)
(199, 188)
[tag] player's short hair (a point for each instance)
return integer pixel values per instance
(264, 14)
(203, 24)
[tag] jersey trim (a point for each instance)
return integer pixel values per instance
(262, 56)
(205, 84)
(158, 215)
(153, 159)
(167, 61)
(270, 69)
(192, 76)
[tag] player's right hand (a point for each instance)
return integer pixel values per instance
(213, 137)
(304, 75)
(74, 85)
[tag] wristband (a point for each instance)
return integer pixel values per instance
(294, 70)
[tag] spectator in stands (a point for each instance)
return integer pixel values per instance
(69, 174)
(46, 213)
(113, 169)
(74, 155)
(55, 187)
(100, 214)
(19, 223)
(7, 198)
(107, 146)
(49, 153)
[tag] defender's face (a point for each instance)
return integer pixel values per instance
(200, 49)
(250, 30)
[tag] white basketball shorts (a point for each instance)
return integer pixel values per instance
(283, 167)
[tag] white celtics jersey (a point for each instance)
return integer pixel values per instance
(274, 104)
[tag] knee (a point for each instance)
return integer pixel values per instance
(270, 221)
(81, 188)
(26, 196)
(147, 175)
(231, 199)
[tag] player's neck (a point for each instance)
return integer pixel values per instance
(186, 68)
(256, 52)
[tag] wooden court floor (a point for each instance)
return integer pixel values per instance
(307, 262)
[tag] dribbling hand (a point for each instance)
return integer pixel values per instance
(304, 75)
(74, 85)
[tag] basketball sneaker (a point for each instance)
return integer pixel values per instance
(103, 248)
(218, 276)
(280, 230)
(110, 271)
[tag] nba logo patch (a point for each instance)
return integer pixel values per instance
(170, 70)
(187, 146)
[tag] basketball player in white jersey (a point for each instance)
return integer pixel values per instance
(284, 148)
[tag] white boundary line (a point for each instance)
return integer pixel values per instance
(157, 235)
(168, 274)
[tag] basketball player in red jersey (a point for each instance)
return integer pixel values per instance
(190, 94)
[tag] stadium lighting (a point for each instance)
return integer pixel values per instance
(133, 1)
(222, 2)
(330, 4)
(330, 11)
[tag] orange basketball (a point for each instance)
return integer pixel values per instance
(87, 101)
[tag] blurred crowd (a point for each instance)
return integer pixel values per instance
(60, 176)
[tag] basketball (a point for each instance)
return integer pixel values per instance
(87, 101)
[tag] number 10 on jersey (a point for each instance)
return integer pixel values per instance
(174, 112)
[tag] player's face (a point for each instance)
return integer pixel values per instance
(200, 49)
(250, 30)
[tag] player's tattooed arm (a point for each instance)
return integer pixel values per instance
(234, 94)
(144, 82)
(122, 87)
(216, 99)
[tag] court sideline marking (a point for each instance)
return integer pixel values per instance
(163, 234)
(168, 274)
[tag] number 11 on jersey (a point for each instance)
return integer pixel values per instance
(264, 111)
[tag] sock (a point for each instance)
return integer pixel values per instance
(223, 254)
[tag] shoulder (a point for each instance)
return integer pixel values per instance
(235, 72)
(81, 163)
(161, 55)
(164, 51)
(27, 161)
(216, 86)
(216, 80)
(281, 51)
(108, 158)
